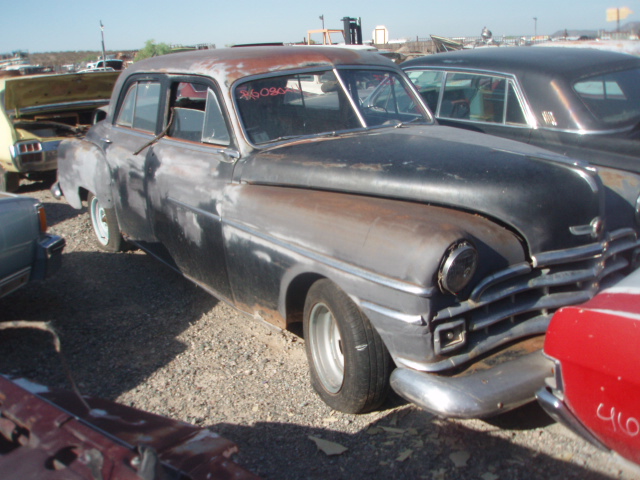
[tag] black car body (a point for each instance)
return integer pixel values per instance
(387, 236)
(583, 103)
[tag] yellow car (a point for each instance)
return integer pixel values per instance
(38, 112)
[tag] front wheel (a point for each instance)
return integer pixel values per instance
(348, 362)
(105, 225)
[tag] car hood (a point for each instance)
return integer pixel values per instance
(548, 200)
(44, 90)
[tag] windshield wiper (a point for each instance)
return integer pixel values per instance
(403, 124)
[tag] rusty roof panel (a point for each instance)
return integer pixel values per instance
(230, 64)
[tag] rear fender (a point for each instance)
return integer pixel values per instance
(82, 165)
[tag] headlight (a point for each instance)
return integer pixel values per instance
(457, 267)
(638, 210)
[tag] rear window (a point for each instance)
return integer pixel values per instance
(613, 98)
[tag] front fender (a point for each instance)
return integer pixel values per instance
(378, 250)
(82, 165)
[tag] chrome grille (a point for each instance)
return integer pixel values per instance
(520, 301)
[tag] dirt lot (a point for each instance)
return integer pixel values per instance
(136, 332)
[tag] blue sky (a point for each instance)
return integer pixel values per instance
(57, 25)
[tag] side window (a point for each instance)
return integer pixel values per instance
(459, 91)
(188, 104)
(612, 98)
(489, 102)
(515, 114)
(215, 129)
(196, 114)
(481, 98)
(428, 83)
(125, 117)
(140, 107)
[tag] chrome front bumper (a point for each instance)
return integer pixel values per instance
(479, 395)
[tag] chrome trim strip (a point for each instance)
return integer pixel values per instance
(14, 281)
(547, 302)
(613, 131)
(556, 257)
(350, 99)
(513, 271)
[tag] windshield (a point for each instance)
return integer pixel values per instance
(319, 102)
(613, 98)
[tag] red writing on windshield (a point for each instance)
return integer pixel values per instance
(251, 94)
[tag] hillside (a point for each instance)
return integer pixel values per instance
(57, 59)
(629, 27)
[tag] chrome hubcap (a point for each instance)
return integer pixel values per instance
(326, 347)
(99, 221)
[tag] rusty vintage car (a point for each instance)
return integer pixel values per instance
(409, 251)
(38, 112)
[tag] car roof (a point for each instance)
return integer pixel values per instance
(233, 63)
(571, 63)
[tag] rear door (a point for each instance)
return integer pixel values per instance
(136, 123)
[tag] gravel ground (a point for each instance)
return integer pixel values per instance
(138, 333)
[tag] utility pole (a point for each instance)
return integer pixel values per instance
(535, 27)
(104, 55)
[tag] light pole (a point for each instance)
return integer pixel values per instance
(321, 17)
(535, 27)
(104, 56)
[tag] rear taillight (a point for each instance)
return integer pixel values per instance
(29, 147)
(43, 218)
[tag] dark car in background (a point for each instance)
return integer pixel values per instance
(27, 252)
(583, 103)
(409, 251)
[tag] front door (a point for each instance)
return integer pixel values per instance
(186, 174)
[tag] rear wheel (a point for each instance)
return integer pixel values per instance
(105, 225)
(349, 364)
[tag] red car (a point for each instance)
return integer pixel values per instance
(596, 351)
